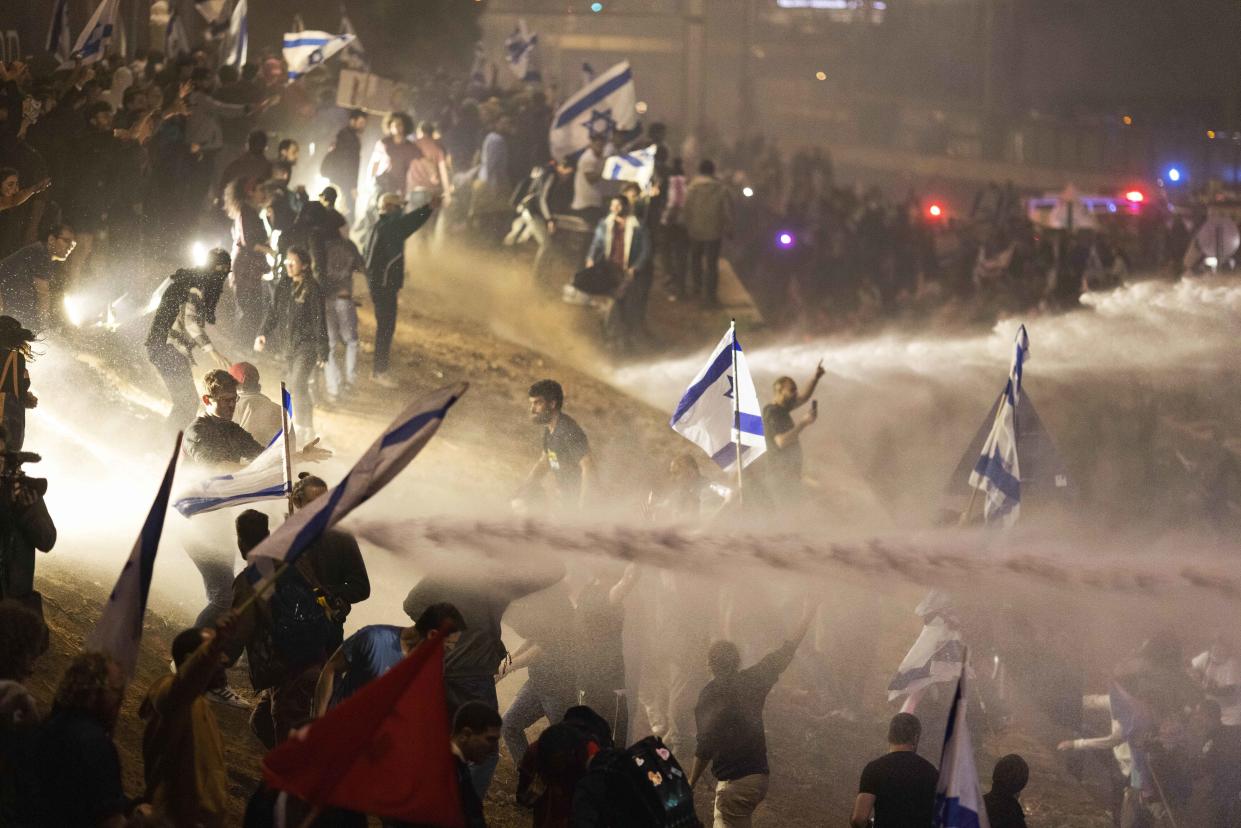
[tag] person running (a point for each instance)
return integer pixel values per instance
(731, 736)
(296, 327)
(897, 789)
(179, 326)
(566, 450)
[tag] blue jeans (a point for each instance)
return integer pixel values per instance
(342, 329)
(532, 703)
(461, 689)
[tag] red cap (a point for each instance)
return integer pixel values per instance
(245, 373)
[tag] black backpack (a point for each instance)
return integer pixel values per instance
(661, 784)
(302, 631)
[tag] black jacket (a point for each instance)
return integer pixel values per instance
(295, 322)
(211, 441)
(385, 249)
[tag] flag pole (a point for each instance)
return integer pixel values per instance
(288, 448)
(736, 408)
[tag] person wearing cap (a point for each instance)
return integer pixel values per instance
(179, 326)
(385, 270)
(256, 413)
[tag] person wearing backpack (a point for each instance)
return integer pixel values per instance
(642, 786)
(731, 736)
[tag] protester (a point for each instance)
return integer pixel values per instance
(548, 773)
(470, 668)
(259, 416)
(1008, 780)
(251, 249)
(21, 633)
(392, 155)
(429, 174)
(621, 244)
(1219, 671)
(675, 240)
(182, 748)
(731, 736)
(475, 741)
(708, 215)
(178, 326)
(251, 164)
(898, 789)
(26, 277)
(343, 160)
(15, 355)
(74, 764)
(374, 650)
(1218, 764)
(588, 180)
(296, 327)
(784, 457)
(566, 450)
(599, 622)
(341, 262)
(385, 272)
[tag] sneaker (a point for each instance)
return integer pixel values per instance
(227, 696)
(384, 381)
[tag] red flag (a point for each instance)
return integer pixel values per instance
(384, 751)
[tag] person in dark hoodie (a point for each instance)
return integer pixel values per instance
(385, 271)
(1008, 780)
(296, 327)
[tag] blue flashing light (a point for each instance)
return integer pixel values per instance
(596, 7)
(1174, 175)
(785, 239)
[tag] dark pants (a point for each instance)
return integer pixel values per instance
(249, 305)
(385, 324)
(704, 255)
(285, 707)
(174, 369)
(217, 572)
(676, 255)
(301, 367)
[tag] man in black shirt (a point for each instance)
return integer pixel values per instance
(730, 725)
(898, 788)
(783, 463)
(566, 451)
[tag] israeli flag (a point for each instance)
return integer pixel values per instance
(94, 40)
(393, 451)
(937, 656)
(519, 53)
(303, 51)
(638, 166)
(263, 479)
(606, 106)
(997, 474)
(719, 408)
(958, 797)
(118, 632)
(237, 42)
(58, 37)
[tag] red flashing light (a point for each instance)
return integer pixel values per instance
(1135, 196)
(935, 211)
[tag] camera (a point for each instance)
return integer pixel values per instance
(13, 473)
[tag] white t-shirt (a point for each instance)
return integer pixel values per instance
(1221, 672)
(585, 193)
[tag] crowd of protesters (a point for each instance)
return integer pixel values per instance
(114, 164)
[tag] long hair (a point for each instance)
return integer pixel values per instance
(237, 195)
(82, 686)
(16, 337)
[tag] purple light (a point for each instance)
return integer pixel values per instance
(785, 239)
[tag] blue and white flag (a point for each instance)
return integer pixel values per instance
(519, 52)
(605, 106)
(997, 474)
(638, 166)
(59, 40)
(304, 51)
(387, 456)
(176, 37)
(263, 479)
(92, 44)
(354, 56)
(936, 657)
(720, 408)
(958, 797)
(237, 42)
(118, 632)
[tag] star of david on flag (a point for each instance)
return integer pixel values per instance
(608, 105)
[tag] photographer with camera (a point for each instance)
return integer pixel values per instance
(25, 526)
